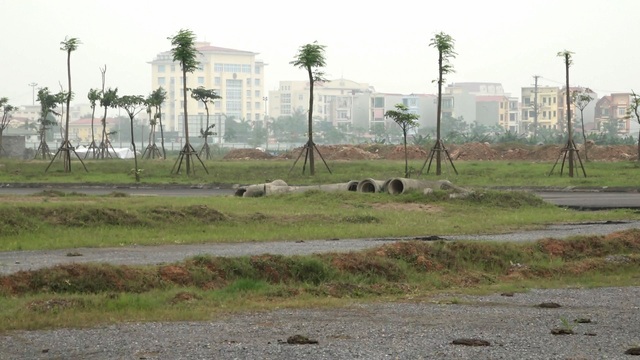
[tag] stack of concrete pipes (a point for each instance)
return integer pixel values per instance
(393, 186)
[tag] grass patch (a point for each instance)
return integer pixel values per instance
(84, 294)
(29, 223)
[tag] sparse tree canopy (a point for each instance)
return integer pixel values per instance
(406, 121)
(310, 57)
(184, 51)
(132, 104)
(444, 43)
(206, 96)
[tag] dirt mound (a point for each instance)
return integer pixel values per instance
(351, 153)
(474, 151)
(247, 154)
(469, 151)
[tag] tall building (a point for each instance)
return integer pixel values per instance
(236, 75)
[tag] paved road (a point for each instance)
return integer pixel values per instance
(583, 200)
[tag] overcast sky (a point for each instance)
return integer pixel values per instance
(384, 44)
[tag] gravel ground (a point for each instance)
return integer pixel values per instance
(13, 261)
(515, 327)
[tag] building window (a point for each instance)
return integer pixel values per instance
(233, 97)
(257, 93)
(161, 80)
(301, 97)
(217, 81)
(257, 69)
(257, 105)
(248, 116)
(246, 68)
(161, 68)
(248, 81)
(173, 68)
(285, 99)
(248, 105)
(248, 93)
(217, 67)
(200, 80)
(257, 82)
(447, 103)
(622, 111)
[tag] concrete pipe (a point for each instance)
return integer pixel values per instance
(270, 189)
(370, 186)
(352, 185)
(258, 190)
(401, 185)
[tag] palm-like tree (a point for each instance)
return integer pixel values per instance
(207, 96)
(185, 52)
(311, 58)
(69, 45)
(444, 43)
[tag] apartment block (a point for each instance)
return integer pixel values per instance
(236, 75)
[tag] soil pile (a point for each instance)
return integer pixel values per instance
(469, 151)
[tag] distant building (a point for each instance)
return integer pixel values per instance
(236, 75)
(613, 107)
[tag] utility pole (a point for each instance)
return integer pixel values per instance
(33, 92)
(535, 108)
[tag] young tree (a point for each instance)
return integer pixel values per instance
(207, 96)
(151, 151)
(158, 96)
(310, 57)
(581, 99)
(634, 109)
(108, 100)
(406, 121)
(570, 150)
(444, 44)
(7, 109)
(69, 45)
(185, 52)
(94, 97)
(48, 103)
(133, 105)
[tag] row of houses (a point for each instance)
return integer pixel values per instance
(239, 77)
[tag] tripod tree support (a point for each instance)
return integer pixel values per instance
(436, 151)
(307, 149)
(570, 151)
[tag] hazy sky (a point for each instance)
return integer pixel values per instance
(383, 43)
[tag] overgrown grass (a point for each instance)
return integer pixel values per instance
(55, 222)
(470, 173)
(205, 287)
